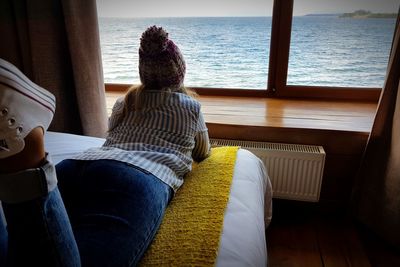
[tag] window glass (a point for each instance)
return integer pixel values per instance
(225, 43)
(343, 43)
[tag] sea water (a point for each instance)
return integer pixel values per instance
(233, 52)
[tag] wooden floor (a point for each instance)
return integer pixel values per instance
(303, 236)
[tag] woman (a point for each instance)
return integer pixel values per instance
(109, 201)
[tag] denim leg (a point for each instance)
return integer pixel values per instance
(28, 184)
(115, 209)
(39, 232)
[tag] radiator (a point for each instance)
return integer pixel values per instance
(295, 170)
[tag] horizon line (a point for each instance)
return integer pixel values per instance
(240, 16)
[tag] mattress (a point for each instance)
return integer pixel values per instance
(248, 212)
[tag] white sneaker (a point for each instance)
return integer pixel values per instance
(23, 106)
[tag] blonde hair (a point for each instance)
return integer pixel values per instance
(132, 99)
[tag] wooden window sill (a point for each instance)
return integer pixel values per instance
(289, 113)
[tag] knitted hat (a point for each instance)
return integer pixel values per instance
(161, 63)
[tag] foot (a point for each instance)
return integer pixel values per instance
(24, 106)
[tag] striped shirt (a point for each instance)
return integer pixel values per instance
(162, 137)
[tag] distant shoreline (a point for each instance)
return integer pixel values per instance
(360, 14)
(363, 14)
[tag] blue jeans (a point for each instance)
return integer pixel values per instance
(103, 213)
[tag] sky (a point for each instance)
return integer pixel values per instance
(211, 8)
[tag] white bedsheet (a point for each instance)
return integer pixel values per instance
(248, 212)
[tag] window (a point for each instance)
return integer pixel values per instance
(288, 48)
(343, 46)
(225, 44)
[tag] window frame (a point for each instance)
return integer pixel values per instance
(280, 48)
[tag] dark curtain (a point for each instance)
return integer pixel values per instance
(376, 195)
(56, 44)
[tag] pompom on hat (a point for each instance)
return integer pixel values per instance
(161, 63)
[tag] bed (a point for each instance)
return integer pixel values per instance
(248, 212)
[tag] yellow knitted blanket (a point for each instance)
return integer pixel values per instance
(190, 232)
